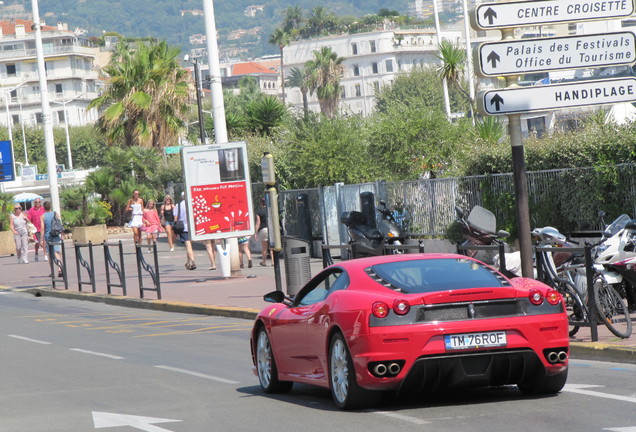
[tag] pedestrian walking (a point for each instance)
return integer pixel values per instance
(35, 215)
(182, 215)
(167, 215)
(244, 249)
(262, 233)
(136, 208)
(46, 222)
(151, 223)
(18, 224)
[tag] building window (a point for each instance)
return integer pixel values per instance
(11, 69)
(389, 65)
(357, 90)
(356, 70)
(14, 95)
(354, 48)
(343, 94)
(372, 46)
(374, 68)
(58, 89)
(38, 118)
(15, 118)
(60, 116)
(376, 86)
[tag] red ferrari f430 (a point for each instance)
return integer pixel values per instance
(412, 323)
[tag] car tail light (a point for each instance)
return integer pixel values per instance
(380, 309)
(536, 297)
(401, 307)
(553, 297)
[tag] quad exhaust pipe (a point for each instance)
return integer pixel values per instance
(389, 368)
(555, 357)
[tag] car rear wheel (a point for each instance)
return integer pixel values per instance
(550, 384)
(266, 366)
(346, 392)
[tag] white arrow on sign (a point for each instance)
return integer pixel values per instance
(515, 100)
(549, 54)
(527, 13)
(108, 420)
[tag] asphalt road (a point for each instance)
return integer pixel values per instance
(80, 366)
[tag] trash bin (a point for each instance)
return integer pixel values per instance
(297, 268)
(224, 258)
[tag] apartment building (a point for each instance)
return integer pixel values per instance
(372, 60)
(70, 71)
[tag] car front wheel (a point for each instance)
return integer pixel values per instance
(266, 366)
(346, 392)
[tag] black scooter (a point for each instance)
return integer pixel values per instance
(366, 239)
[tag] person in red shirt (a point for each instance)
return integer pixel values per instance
(34, 215)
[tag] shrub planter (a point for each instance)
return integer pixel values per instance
(7, 244)
(96, 234)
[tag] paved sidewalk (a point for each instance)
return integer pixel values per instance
(207, 292)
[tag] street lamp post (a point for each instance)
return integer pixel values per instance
(197, 82)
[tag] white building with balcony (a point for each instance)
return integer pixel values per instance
(372, 60)
(71, 75)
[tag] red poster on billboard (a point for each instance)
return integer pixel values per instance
(220, 208)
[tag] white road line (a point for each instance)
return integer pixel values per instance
(402, 417)
(197, 374)
(580, 389)
(30, 340)
(111, 356)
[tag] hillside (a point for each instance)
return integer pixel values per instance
(163, 19)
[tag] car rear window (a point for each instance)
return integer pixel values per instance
(431, 275)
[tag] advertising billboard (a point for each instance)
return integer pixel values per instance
(218, 191)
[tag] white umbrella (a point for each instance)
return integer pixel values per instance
(25, 197)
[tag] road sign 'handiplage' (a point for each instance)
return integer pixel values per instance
(529, 13)
(514, 57)
(516, 100)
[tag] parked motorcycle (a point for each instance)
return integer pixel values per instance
(615, 258)
(479, 229)
(366, 240)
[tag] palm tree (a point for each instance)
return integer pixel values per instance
(299, 77)
(325, 71)
(453, 60)
(281, 38)
(320, 22)
(293, 19)
(265, 113)
(145, 97)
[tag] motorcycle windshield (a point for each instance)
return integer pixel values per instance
(618, 224)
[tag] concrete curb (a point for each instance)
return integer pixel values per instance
(159, 305)
(603, 352)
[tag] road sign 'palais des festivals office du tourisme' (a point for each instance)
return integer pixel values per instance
(515, 57)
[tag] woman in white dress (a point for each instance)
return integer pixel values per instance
(136, 208)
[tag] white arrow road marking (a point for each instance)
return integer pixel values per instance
(107, 420)
(29, 339)
(622, 429)
(580, 389)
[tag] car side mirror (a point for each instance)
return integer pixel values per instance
(502, 234)
(274, 297)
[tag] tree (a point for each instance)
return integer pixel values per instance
(265, 113)
(453, 60)
(281, 38)
(300, 78)
(325, 71)
(293, 20)
(145, 97)
(320, 21)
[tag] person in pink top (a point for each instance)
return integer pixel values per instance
(35, 215)
(152, 223)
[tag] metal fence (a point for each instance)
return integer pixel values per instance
(568, 199)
